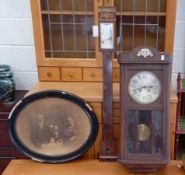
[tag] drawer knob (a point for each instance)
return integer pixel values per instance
(71, 74)
(49, 74)
(93, 75)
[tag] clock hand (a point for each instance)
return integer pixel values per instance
(110, 38)
(143, 87)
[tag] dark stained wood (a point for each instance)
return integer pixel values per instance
(179, 113)
(7, 149)
(7, 107)
(159, 64)
(108, 144)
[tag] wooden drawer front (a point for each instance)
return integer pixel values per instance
(93, 74)
(11, 152)
(4, 136)
(4, 115)
(49, 73)
(116, 75)
(71, 74)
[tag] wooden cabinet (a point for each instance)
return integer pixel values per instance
(7, 149)
(65, 45)
(92, 93)
(64, 36)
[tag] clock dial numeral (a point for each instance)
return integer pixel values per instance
(144, 87)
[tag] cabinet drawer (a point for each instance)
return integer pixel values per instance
(49, 73)
(71, 74)
(11, 152)
(4, 115)
(92, 74)
(4, 135)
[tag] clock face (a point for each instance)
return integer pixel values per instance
(144, 87)
(106, 33)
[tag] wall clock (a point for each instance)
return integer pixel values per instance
(144, 89)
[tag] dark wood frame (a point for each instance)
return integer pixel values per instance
(7, 149)
(179, 114)
(130, 64)
(108, 144)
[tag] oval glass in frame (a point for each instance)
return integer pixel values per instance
(53, 126)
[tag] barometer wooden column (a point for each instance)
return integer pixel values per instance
(107, 18)
(144, 89)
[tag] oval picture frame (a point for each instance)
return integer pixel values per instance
(53, 126)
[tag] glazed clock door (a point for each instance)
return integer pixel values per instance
(144, 133)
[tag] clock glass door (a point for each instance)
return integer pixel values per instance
(144, 132)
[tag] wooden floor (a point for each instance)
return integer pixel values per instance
(82, 167)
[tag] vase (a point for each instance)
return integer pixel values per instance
(7, 85)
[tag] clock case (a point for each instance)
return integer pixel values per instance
(150, 154)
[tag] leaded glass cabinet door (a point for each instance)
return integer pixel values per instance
(145, 23)
(63, 31)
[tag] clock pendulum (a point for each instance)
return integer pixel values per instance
(107, 18)
(144, 98)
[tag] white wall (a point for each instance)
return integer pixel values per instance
(17, 43)
(179, 45)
